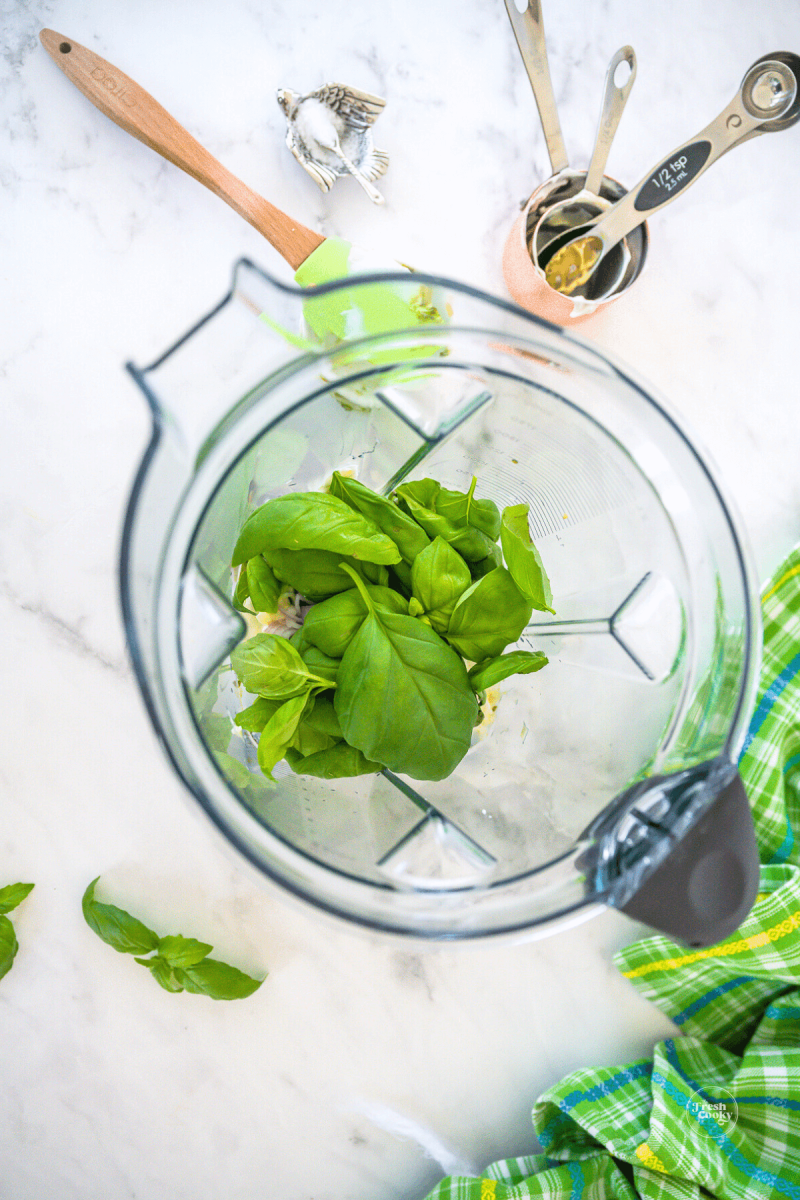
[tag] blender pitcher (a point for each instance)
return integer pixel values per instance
(609, 777)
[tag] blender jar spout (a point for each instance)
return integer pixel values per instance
(252, 333)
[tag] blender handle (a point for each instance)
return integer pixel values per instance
(136, 112)
(707, 884)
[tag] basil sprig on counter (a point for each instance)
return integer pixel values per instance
(403, 589)
(10, 896)
(177, 963)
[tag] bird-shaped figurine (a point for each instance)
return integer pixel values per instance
(329, 132)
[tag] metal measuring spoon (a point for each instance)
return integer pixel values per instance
(614, 101)
(767, 102)
(528, 29)
(588, 204)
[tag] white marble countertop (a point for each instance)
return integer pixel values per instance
(363, 1067)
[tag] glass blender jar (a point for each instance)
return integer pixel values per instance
(608, 778)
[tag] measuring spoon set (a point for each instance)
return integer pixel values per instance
(582, 238)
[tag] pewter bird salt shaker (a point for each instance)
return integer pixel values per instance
(329, 132)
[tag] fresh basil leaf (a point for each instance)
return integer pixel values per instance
(269, 665)
(463, 509)
(115, 926)
(316, 573)
(242, 592)
(399, 578)
(279, 732)
(472, 544)
(234, 771)
(421, 491)
(523, 559)
(383, 597)
(323, 718)
(399, 678)
(8, 945)
(406, 534)
(308, 740)
(415, 609)
(264, 588)
(13, 894)
(179, 962)
(489, 615)
(373, 573)
(331, 624)
(320, 664)
(338, 762)
(181, 951)
(300, 641)
(256, 715)
(217, 731)
(493, 670)
(433, 524)
(313, 521)
(439, 576)
(441, 511)
(484, 565)
(165, 975)
(218, 980)
(310, 572)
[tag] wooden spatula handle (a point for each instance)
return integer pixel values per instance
(135, 111)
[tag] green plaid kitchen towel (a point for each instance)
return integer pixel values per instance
(715, 1111)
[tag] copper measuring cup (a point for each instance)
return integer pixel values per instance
(563, 197)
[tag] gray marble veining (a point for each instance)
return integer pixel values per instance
(361, 1069)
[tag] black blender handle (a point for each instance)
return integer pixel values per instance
(707, 884)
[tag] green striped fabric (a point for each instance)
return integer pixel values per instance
(716, 1110)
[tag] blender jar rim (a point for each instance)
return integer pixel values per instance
(586, 355)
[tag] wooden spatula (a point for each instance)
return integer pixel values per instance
(135, 111)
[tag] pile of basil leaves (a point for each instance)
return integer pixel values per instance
(402, 589)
